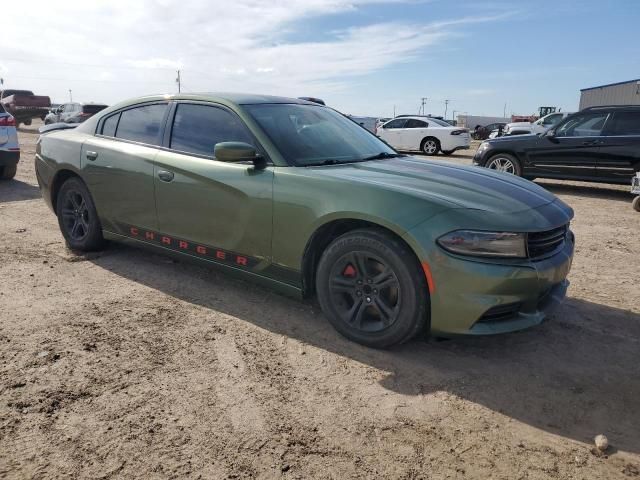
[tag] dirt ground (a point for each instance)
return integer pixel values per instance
(127, 364)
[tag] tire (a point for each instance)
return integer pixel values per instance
(636, 204)
(47, 122)
(8, 172)
(504, 162)
(27, 122)
(77, 217)
(372, 289)
(430, 146)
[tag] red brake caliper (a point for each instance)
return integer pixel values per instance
(349, 271)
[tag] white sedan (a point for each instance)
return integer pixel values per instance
(426, 134)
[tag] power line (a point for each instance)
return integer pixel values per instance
(96, 65)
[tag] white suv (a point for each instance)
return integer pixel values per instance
(426, 134)
(538, 127)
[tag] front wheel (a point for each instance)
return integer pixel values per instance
(503, 162)
(77, 217)
(430, 146)
(371, 288)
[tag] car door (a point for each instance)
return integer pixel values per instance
(619, 157)
(218, 210)
(412, 134)
(571, 150)
(117, 165)
(391, 132)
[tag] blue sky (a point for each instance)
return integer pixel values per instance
(362, 56)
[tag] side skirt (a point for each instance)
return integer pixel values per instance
(270, 283)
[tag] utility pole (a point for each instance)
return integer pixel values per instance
(394, 111)
(504, 112)
(178, 81)
(423, 101)
(446, 106)
(70, 96)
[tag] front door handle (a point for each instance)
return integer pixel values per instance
(91, 155)
(165, 175)
(592, 142)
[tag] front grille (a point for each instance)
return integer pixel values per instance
(540, 244)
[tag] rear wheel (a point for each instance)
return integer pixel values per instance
(371, 288)
(636, 204)
(430, 146)
(77, 217)
(8, 172)
(503, 162)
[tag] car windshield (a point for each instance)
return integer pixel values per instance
(315, 135)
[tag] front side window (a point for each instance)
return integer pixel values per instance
(313, 134)
(413, 123)
(625, 123)
(397, 123)
(142, 124)
(582, 125)
(198, 128)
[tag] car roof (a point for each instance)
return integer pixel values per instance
(611, 108)
(221, 97)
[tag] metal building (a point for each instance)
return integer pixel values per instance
(621, 93)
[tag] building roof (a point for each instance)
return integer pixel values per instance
(610, 84)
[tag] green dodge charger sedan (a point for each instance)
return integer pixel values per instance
(297, 196)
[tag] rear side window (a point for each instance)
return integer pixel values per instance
(109, 125)
(142, 124)
(198, 128)
(625, 123)
(413, 123)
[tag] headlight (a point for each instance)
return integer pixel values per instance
(483, 146)
(485, 244)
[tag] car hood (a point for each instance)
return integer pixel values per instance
(452, 186)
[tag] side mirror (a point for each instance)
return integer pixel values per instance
(238, 152)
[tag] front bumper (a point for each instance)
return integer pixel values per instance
(475, 298)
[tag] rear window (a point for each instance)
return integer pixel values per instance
(625, 123)
(92, 109)
(142, 124)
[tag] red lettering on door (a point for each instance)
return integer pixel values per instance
(241, 261)
(183, 244)
(221, 255)
(201, 250)
(149, 235)
(134, 231)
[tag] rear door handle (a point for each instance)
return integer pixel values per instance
(165, 175)
(91, 155)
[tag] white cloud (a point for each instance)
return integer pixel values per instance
(117, 48)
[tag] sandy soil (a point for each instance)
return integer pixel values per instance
(127, 364)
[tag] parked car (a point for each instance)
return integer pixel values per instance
(426, 134)
(380, 122)
(9, 146)
(24, 106)
(598, 144)
(538, 127)
(73, 112)
(297, 196)
(482, 133)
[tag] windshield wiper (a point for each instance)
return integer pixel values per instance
(382, 155)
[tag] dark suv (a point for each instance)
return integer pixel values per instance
(598, 144)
